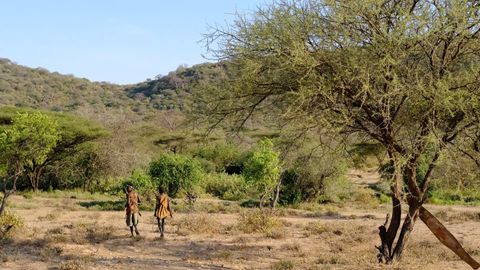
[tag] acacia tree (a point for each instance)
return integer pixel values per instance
(262, 169)
(70, 132)
(29, 138)
(404, 73)
(32, 137)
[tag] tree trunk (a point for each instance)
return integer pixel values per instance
(34, 177)
(262, 198)
(3, 202)
(407, 228)
(8, 192)
(387, 237)
(277, 191)
(415, 200)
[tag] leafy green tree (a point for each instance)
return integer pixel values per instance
(69, 133)
(403, 73)
(175, 172)
(262, 169)
(28, 141)
(221, 155)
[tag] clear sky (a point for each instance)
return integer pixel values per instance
(120, 41)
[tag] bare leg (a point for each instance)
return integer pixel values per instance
(131, 230)
(163, 226)
(159, 223)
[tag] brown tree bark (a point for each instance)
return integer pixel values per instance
(33, 176)
(388, 253)
(7, 192)
(446, 237)
(277, 191)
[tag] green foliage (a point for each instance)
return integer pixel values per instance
(337, 189)
(367, 155)
(225, 186)
(29, 139)
(38, 88)
(219, 156)
(59, 140)
(175, 172)
(9, 224)
(140, 180)
(83, 168)
(320, 175)
(403, 75)
(262, 167)
(445, 196)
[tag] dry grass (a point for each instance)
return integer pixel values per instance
(283, 265)
(457, 217)
(47, 253)
(49, 217)
(258, 221)
(73, 265)
(332, 238)
(197, 224)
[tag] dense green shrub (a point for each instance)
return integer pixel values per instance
(316, 178)
(225, 186)
(262, 168)
(141, 181)
(218, 157)
(175, 172)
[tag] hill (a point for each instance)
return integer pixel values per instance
(39, 88)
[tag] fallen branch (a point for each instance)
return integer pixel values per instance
(446, 237)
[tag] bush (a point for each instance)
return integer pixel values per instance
(175, 172)
(219, 157)
(9, 224)
(337, 189)
(316, 178)
(142, 183)
(262, 168)
(225, 186)
(258, 221)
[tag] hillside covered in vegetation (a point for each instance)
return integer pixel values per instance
(39, 88)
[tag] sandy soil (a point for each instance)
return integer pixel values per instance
(60, 234)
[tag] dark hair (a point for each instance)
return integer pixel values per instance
(161, 189)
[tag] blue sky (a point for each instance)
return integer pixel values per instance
(120, 41)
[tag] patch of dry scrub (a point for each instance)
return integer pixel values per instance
(197, 224)
(261, 221)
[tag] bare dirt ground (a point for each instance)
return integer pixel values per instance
(60, 234)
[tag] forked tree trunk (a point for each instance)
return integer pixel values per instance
(34, 177)
(277, 191)
(405, 232)
(389, 254)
